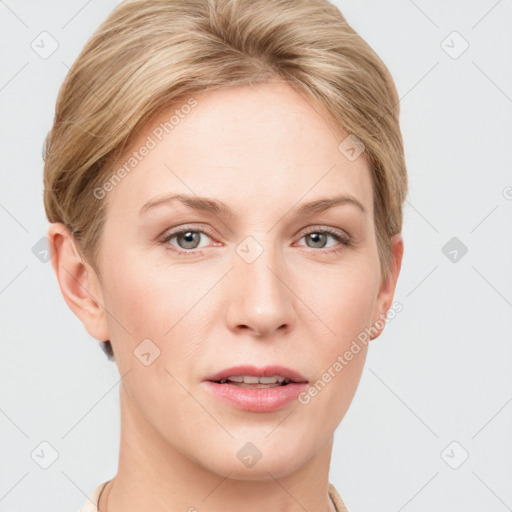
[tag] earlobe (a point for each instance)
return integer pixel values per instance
(387, 290)
(78, 282)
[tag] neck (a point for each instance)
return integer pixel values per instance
(155, 476)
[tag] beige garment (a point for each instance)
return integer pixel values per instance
(91, 504)
(336, 498)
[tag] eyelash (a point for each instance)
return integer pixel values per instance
(344, 240)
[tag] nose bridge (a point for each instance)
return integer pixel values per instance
(260, 298)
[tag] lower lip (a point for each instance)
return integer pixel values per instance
(257, 399)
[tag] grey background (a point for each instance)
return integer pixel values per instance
(441, 371)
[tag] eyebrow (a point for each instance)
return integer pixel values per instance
(216, 207)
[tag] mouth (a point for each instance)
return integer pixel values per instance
(257, 389)
(252, 376)
(251, 382)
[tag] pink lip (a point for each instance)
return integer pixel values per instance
(257, 399)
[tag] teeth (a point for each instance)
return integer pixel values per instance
(250, 379)
(235, 379)
(269, 380)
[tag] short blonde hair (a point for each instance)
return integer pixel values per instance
(150, 54)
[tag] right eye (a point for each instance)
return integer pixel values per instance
(186, 239)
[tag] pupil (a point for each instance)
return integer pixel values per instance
(188, 237)
(318, 238)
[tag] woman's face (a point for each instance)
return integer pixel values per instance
(256, 281)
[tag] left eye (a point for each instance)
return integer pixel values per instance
(319, 239)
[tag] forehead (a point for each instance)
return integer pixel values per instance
(250, 146)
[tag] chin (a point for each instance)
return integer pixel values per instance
(244, 460)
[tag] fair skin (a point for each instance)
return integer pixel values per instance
(263, 151)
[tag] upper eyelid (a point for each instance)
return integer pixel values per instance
(172, 233)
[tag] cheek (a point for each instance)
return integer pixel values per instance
(346, 306)
(345, 303)
(343, 298)
(139, 293)
(159, 302)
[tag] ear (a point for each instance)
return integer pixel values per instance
(387, 290)
(78, 282)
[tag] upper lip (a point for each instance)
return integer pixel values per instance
(266, 371)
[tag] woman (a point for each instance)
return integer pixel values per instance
(224, 182)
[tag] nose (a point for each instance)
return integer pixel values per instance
(261, 297)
